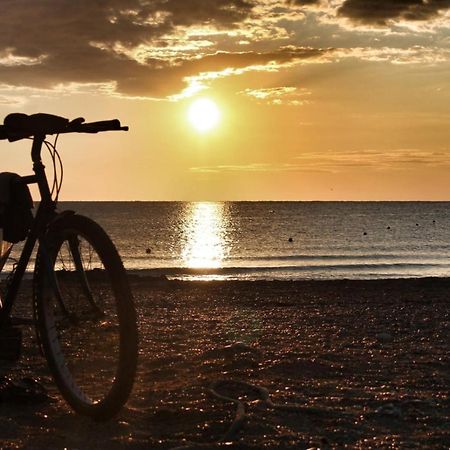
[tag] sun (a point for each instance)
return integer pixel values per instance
(203, 114)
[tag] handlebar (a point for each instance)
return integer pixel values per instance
(96, 127)
(20, 126)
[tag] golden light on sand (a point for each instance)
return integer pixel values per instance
(204, 114)
(205, 246)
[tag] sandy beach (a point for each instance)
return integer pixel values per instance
(316, 364)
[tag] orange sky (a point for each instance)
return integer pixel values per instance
(319, 100)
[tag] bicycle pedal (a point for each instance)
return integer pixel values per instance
(10, 343)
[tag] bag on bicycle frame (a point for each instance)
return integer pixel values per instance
(15, 207)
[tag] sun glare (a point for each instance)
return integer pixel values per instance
(203, 114)
(206, 246)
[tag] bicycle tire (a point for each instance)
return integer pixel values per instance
(77, 335)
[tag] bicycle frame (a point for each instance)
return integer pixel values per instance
(65, 295)
(44, 215)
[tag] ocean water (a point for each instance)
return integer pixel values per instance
(278, 240)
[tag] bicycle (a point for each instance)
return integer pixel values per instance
(82, 303)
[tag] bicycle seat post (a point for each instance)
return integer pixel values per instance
(39, 169)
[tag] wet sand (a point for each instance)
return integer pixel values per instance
(356, 364)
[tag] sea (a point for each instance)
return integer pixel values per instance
(277, 240)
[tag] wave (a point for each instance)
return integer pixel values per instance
(306, 257)
(359, 257)
(400, 270)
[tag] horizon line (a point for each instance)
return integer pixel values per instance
(256, 201)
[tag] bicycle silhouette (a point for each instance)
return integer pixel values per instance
(82, 304)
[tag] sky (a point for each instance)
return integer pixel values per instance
(317, 99)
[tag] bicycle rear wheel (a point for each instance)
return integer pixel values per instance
(85, 317)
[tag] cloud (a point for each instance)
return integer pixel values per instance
(302, 2)
(397, 159)
(413, 55)
(167, 79)
(334, 162)
(170, 48)
(156, 78)
(381, 12)
(285, 95)
(228, 64)
(11, 100)
(7, 58)
(50, 42)
(64, 26)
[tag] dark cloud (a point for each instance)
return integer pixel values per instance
(303, 2)
(221, 60)
(50, 42)
(76, 41)
(168, 80)
(380, 11)
(156, 78)
(221, 12)
(33, 28)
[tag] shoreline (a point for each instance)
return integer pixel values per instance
(144, 277)
(251, 274)
(365, 362)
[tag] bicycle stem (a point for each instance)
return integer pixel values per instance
(39, 169)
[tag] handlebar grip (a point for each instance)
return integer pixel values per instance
(103, 125)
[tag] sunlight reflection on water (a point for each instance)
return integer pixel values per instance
(205, 235)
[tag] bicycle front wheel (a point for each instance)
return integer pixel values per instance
(85, 317)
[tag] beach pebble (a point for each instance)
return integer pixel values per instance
(384, 337)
